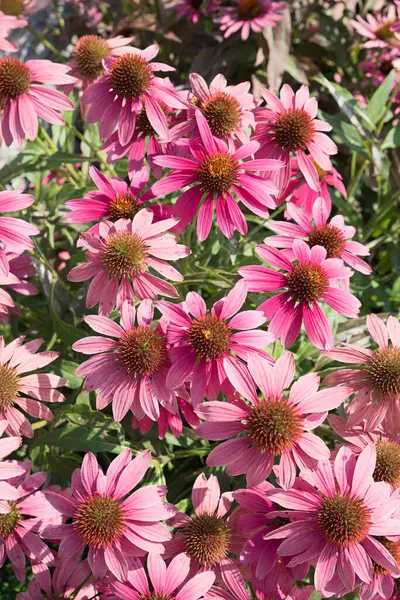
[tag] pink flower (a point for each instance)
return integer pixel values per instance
(7, 24)
(378, 28)
(106, 519)
(375, 381)
(21, 268)
(250, 15)
(270, 428)
(335, 236)
(9, 469)
(310, 280)
(119, 257)
(288, 127)
(24, 513)
(130, 364)
(117, 98)
(295, 593)
(166, 581)
(23, 101)
(194, 9)
(217, 175)
(205, 349)
(227, 109)
(21, 391)
(338, 516)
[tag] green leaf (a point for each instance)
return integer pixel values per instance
(67, 333)
(377, 106)
(79, 439)
(392, 139)
(67, 370)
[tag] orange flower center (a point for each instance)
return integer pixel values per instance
(249, 9)
(383, 372)
(394, 549)
(90, 51)
(222, 112)
(99, 520)
(307, 282)
(130, 76)
(217, 173)
(9, 386)
(123, 207)
(125, 254)
(207, 539)
(141, 351)
(273, 426)
(15, 78)
(388, 462)
(343, 520)
(294, 130)
(209, 337)
(330, 238)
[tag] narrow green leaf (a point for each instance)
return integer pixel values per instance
(378, 104)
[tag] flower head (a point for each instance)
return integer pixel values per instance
(250, 15)
(194, 9)
(7, 24)
(310, 279)
(379, 28)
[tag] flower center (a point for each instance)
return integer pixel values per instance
(249, 9)
(130, 76)
(222, 112)
(9, 522)
(89, 53)
(294, 130)
(125, 254)
(207, 539)
(123, 207)
(155, 596)
(15, 78)
(393, 548)
(383, 372)
(330, 238)
(307, 282)
(320, 171)
(9, 386)
(99, 520)
(209, 337)
(273, 426)
(196, 4)
(141, 351)
(217, 173)
(388, 463)
(12, 7)
(343, 520)
(383, 31)
(143, 123)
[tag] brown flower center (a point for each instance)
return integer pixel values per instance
(141, 351)
(217, 173)
(143, 123)
(9, 386)
(123, 207)
(130, 76)
(125, 254)
(99, 520)
(207, 539)
(383, 372)
(330, 238)
(12, 7)
(15, 79)
(393, 548)
(249, 9)
(209, 337)
(307, 283)
(388, 462)
(273, 426)
(90, 51)
(383, 31)
(155, 596)
(9, 522)
(343, 520)
(294, 130)
(222, 112)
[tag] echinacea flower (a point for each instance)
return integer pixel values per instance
(9, 469)
(334, 236)
(19, 390)
(119, 258)
(26, 7)
(379, 28)
(288, 128)
(338, 518)
(130, 363)
(205, 347)
(108, 520)
(7, 24)
(21, 268)
(172, 582)
(312, 278)
(218, 176)
(273, 427)
(117, 98)
(250, 15)
(194, 9)
(23, 101)
(376, 378)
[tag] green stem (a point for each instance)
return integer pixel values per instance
(93, 148)
(38, 254)
(356, 181)
(44, 41)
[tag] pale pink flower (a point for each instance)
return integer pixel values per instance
(21, 268)
(206, 348)
(273, 427)
(173, 581)
(194, 9)
(117, 98)
(106, 519)
(250, 15)
(375, 380)
(338, 516)
(379, 27)
(7, 24)
(130, 363)
(295, 593)
(119, 258)
(23, 101)
(9, 469)
(27, 392)
(287, 128)
(216, 176)
(310, 280)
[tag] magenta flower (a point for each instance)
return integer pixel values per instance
(21, 391)
(217, 175)
(23, 101)
(119, 257)
(9, 469)
(117, 98)
(205, 349)
(310, 280)
(166, 581)
(21, 268)
(7, 24)
(272, 427)
(338, 518)
(250, 15)
(375, 381)
(194, 9)
(106, 519)
(379, 28)
(288, 127)
(130, 363)
(335, 236)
